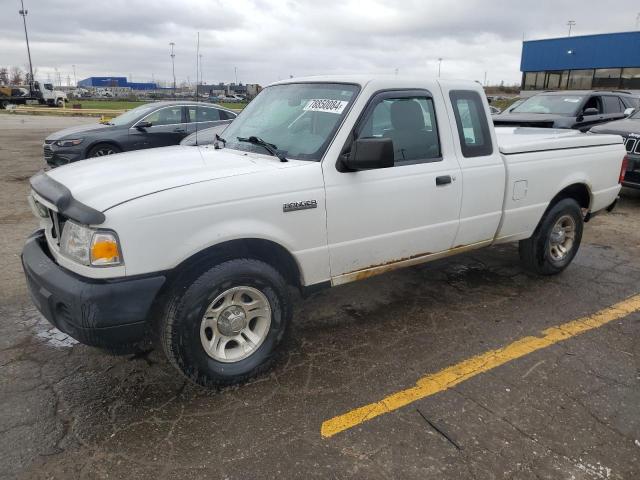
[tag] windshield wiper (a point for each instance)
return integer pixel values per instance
(269, 147)
(217, 142)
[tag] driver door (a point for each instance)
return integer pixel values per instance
(168, 127)
(379, 217)
(585, 122)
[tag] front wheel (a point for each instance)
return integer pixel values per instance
(555, 242)
(224, 327)
(103, 149)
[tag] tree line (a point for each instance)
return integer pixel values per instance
(14, 76)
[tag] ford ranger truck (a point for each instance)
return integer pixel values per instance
(318, 182)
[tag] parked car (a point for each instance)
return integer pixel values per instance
(579, 110)
(320, 182)
(629, 130)
(151, 125)
(511, 107)
(203, 137)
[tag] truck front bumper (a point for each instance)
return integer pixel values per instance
(101, 313)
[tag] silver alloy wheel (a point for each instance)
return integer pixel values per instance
(235, 324)
(104, 151)
(562, 238)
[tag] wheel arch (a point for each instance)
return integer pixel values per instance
(95, 143)
(267, 251)
(579, 191)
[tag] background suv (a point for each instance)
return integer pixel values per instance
(578, 109)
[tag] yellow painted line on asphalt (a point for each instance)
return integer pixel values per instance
(455, 374)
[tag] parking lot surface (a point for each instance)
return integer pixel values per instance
(566, 410)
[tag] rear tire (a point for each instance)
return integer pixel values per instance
(223, 327)
(555, 241)
(103, 149)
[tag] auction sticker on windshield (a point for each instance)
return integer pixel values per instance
(325, 105)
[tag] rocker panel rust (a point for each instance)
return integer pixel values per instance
(395, 264)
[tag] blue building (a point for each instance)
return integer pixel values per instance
(113, 82)
(605, 61)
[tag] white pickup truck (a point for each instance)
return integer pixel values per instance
(318, 182)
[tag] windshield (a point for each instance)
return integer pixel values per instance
(298, 118)
(128, 117)
(556, 104)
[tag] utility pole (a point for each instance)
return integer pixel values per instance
(236, 71)
(173, 67)
(75, 80)
(485, 79)
(24, 12)
(571, 23)
(439, 65)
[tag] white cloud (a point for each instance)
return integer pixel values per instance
(271, 39)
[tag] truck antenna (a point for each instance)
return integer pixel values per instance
(197, 70)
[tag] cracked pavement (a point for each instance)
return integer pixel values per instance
(569, 411)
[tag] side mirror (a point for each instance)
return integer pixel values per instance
(628, 111)
(590, 111)
(143, 125)
(369, 153)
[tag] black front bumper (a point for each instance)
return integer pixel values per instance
(101, 313)
(56, 156)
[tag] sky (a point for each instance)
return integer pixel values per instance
(267, 40)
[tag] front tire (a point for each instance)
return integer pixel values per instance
(224, 327)
(555, 242)
(103, 149)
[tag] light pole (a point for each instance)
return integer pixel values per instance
(75, 80)
(637, 21)
(24, 12)
(173, 67)
(571, 23)
(201, 80)
(439, 65)
(235, 69)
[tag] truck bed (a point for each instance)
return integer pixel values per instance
(512, 140)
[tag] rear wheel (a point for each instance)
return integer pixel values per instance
(555, 242)
(60, 102)
(103, 149)
(224, 327)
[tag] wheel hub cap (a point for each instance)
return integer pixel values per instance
(235, 324)
(561, 238)
(231, 321)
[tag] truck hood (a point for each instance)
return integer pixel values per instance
(629, 127)
(543, 120)
(104, 182)
(74, 131)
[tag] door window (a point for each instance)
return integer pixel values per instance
(471, 120)
(593, 102)
(165, 116)
(203, 114)
(410, 123)
(612, 104)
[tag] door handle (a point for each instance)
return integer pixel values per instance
(443, 180)
(180, 130)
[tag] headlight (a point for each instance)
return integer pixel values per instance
(89, 246)
(68, 143)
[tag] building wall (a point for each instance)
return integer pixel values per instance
(607, 61)
(115, 82)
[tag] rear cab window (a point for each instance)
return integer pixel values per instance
(472, 124)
